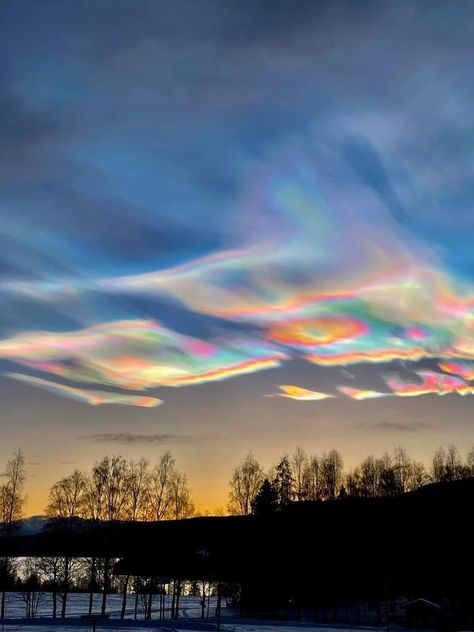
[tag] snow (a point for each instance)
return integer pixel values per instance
(32, 525)
(177, 626)
(78, 605)
(189, 621)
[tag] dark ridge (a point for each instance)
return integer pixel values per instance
(351, 549)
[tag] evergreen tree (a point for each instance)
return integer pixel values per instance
(283, 482)
(266, 501)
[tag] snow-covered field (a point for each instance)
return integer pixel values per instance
(189, 625)
(189, 617)
(78, 604)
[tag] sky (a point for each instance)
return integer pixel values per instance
(230, 226)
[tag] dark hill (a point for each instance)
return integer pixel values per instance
(352, 549)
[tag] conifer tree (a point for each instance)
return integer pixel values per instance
(283, 482)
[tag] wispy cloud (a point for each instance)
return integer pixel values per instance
(405, 426)
(128, 437)
(94, 398)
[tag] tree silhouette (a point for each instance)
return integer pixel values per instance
(266, 501)
(283, 482)
(244, 486)
(12, 505)
(332, 465)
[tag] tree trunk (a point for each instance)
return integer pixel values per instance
(203, 600)
(2, 613)
(66, 588)
(162, 602)
(91, 586)
(178, 593)
(173, 599)
(105, 587)
(55, 602)
(137, 592)
(218, 607)
(124, 597)
(150, 599)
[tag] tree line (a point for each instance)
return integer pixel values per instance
(302, 477)
(39, 584)
(114, 490)
(127, 490)
(117, 489)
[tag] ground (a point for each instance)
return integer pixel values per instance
(189, 621)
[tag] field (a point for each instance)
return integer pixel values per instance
(189, 617)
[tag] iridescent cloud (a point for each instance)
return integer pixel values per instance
(94, 398)
(301, 394)
(315, 332)
(307, 273)
(338, 282)
(311, 212)
(430, 382)
(361, 394)
(464, 369)
(137, 355)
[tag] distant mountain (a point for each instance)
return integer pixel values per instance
(32, 525)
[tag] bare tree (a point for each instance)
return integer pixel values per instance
(138, 496)
(438, 465)
(181, 505)
(138, 489)
(12, 498)
(419, 475)
(470, 462)
(12, 505)
(31, 593)
(110, 488)
(331, 466)
(66, 498)
(402, 466)
(66, 502)
(159, 494)
(50, 569)
(369, 477)
(246, 481)
(299, 462)
(107, 496)
(312, 479)
(453, 466)
(353, 483)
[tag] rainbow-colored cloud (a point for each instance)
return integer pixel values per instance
(464, 369)
(301, 394)
(361, 394)
(305, 276)
(154, 240)
(94, 398)
(137, 355)
(430, 382)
